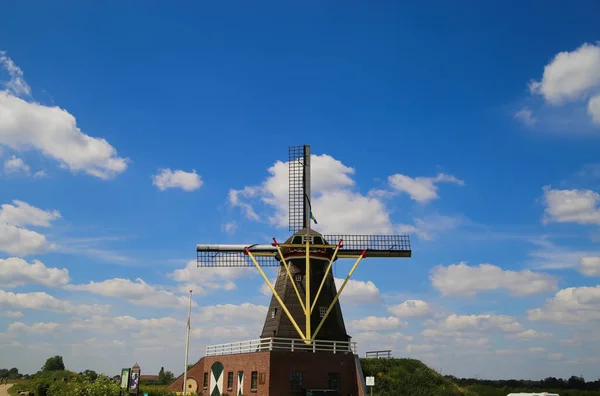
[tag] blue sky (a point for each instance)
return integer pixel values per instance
(475, 129)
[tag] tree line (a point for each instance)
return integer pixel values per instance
(573, 382)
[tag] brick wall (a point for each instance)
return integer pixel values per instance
(273, 372)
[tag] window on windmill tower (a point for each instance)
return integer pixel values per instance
(273, 313)
(322, 311)
(296, 380)
(298, 278)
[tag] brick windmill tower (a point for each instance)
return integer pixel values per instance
(304, 348)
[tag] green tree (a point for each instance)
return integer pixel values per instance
(90, 375)
(54, 363)
(161, 376)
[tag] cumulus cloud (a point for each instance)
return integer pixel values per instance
(36, 328)
(204, 279)
(16, 240)
(462, 279)
(590, 266)
(16, 84)
(335, 203)
(167, 178)
(40, 301)
(421, 189)
(571, 206)
(594, 109)
(358, 292)
(529, 335)
(52, 131)
(374, 323)
(15, 164)
(11, 314)
(572, 76)
(573, 305)
(17, 272)
(138, 292)
(410, 309)
(457, 325)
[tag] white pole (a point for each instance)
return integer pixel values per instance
(187, 347)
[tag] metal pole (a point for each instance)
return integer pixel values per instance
(187, 347)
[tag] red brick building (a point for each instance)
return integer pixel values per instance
(276, 367)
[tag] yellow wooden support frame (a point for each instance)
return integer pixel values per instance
(305, 338)
(337, 247)
(337, 296)
(307, 310)
(287, 269)
(307, 307)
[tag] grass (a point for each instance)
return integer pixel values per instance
(18, 385)
(408, 377)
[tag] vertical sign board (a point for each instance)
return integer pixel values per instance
(124, 379)
(371, 383)
(134, 382)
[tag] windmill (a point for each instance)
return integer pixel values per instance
(305, 303)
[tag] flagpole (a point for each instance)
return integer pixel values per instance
(187, 347)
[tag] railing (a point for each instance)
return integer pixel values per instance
(280, 344)
(386, 353)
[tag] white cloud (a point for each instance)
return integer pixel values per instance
(19, 241)
(385, 339)
(44, 302)
(138, 292)
(230, 313)
(36, 328)
(374, 323)
(594, 109)
(358, 292)
(528, 335)
(11, 314)
(570, 75)
(167, 178)
(204, 278)
(455, 325)
(421, 189)
(335, 204)
(573, 305)
(15, 165)
(17, 272)
(571, 206)
(410, 309)
(590, 266)
(525, 115)
(22, 214)
(17, 83)
(52, 131)
(461, 279)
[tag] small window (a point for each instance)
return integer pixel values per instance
(262, 378)
(322, 311)
(296, 380)
(253, 380)
(318, 241)
(230, 380)
(297, 240)
(298, 278)
(205, 383)
(334, 381)
(273, 313)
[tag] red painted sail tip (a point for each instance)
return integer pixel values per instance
(363, 253)
(274, 242)
(340, 243)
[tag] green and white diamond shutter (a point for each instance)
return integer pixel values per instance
(240, 383)
(216, 379)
